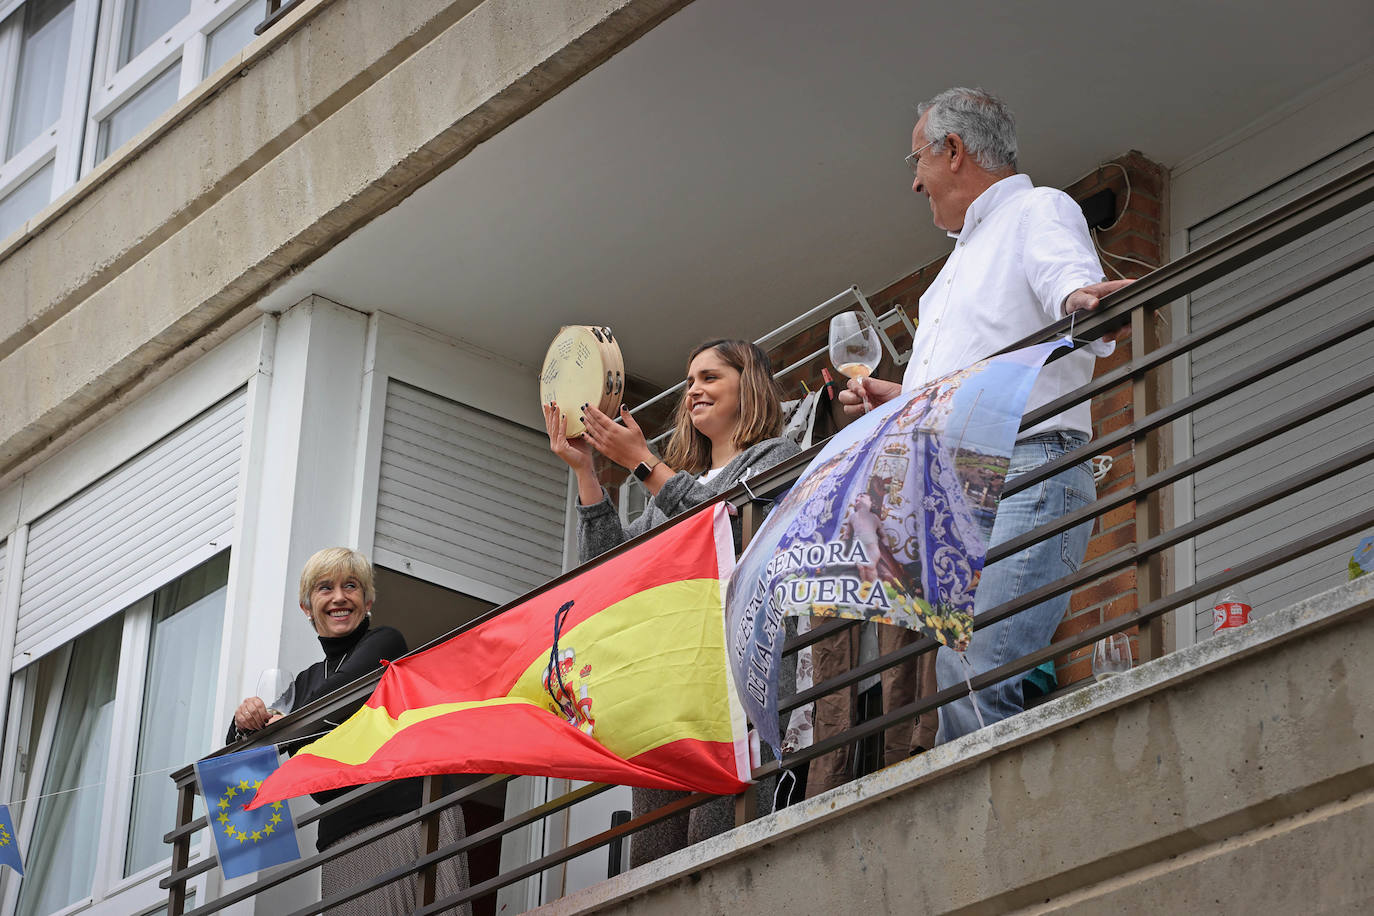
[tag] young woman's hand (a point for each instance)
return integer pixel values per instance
(576, 453)
(625, 445)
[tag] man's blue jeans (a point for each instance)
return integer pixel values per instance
(1039, 564)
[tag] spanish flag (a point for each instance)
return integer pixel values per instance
(616, 675)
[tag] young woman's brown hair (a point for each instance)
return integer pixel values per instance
(760, 416)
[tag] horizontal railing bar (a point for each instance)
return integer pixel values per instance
(1035, 659)
(817, 633)
(857, 673)
(1195, 269)
(1287, 487)
(567, 853)
(400, 822)
(1210, 585)
(364, 791)
(1343, 462)
(1177, 471)
(1186, 405)
(539, 812)
(1110, 379)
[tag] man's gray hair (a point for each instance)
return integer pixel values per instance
(981, 120)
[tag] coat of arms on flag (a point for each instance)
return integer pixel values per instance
(615, 675)
(245, 841)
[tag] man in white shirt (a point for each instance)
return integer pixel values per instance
(1022, 259)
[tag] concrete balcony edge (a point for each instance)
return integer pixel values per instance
(673, 883)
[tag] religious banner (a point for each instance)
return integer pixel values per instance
(615, 675)
(886, 524)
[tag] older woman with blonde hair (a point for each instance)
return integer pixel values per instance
(337, 591)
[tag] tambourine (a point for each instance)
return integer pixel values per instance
(583, 366)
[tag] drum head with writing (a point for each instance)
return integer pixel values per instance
(583, 366)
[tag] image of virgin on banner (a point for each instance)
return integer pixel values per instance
(885, 524)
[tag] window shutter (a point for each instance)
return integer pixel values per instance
(143, 524)
(466, 499)
(1283, 390)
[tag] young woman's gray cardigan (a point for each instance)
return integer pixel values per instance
(599, 527)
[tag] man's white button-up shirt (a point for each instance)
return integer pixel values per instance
(1021, 251)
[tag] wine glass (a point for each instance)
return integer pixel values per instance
(279, 684)
(1111, 656)
(854, 347)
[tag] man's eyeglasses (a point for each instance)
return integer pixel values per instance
(914, 159)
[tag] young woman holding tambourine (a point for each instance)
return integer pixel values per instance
(727, 428)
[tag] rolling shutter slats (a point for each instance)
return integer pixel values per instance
(133, 530)
(468, 493)
(1283, 389)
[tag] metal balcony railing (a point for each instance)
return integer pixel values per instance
(1153, 540)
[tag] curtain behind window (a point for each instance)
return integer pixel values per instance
(42, 71)
(60, 860)
(177, 715)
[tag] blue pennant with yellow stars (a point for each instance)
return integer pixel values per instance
(9, 841)
(246, 840)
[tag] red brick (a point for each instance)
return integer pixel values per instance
(1072, 626)
(1118, 516)
(1132, 245)
(1112, 400)
(1113, 423)
(1133, 220)
(1108, 588)
(1120, 357)
(1104, 544)
(1073, 672)
(1120, 606)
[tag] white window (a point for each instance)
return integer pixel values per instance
(80, 78)
(151, 53)
(44, 67)
(102, 722)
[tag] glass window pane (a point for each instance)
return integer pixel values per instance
(42, 71)
(24, 201)
(60, 860)
(231, 37)
(178, 715)
(137, 113)
(145, 21)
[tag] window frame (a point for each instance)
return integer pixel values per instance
(183, 44)
(57, 143)
(112, 892)
(94, 85)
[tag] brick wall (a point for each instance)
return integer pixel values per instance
(1139, 233)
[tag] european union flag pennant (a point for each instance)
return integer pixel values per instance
(246, 840)
(9, 841)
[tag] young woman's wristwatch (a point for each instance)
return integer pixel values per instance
(645, 468)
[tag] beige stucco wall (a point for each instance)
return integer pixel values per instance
(1235, 776)
(318, 127)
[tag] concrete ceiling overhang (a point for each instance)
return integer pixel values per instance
(743, 161)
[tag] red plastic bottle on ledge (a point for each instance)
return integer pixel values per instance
(1232, 609)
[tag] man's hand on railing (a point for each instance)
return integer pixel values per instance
(1090, 297)
(879, 392)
